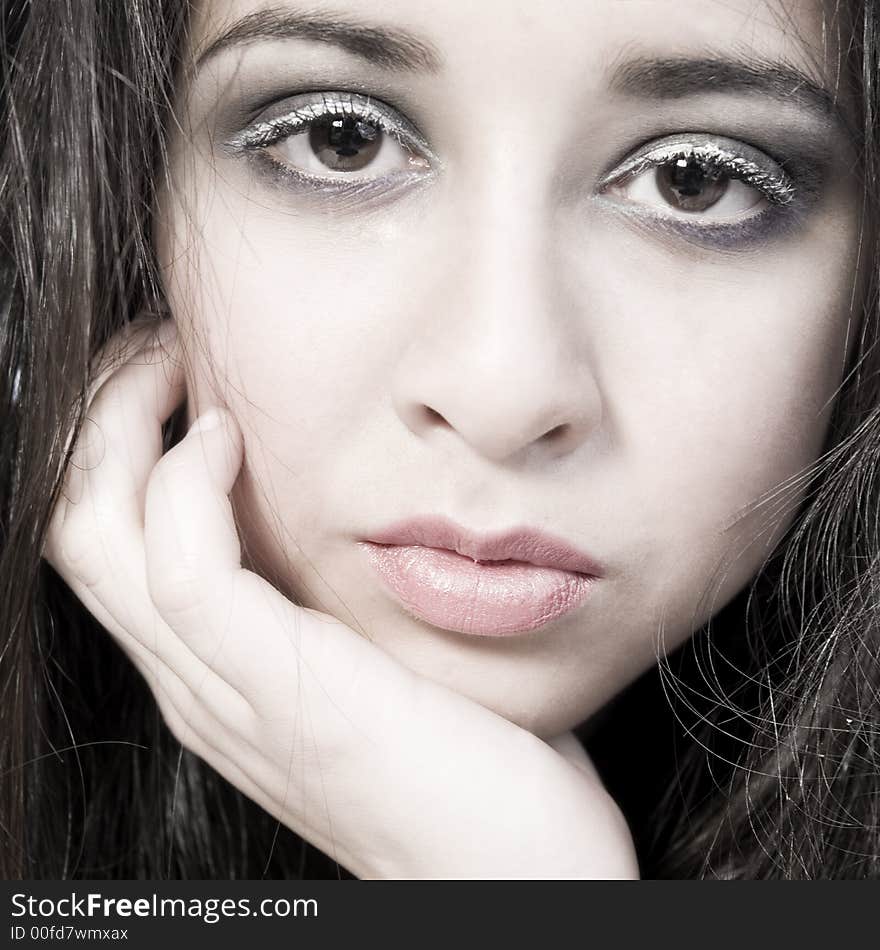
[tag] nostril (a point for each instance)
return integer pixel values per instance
(433, 416)
(557, 432)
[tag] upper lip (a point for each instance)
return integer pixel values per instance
(520, 543)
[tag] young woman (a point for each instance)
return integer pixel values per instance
(397, 400)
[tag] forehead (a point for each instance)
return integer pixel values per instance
(556, 35)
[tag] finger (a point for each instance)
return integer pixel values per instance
(96, 541)
(169, 667)
(97, 530)
(570, 748)
(193, 550)
(134, 337)
(126, 343)
(234, 620)
(145, 387)
(193, 555)
(188, 515)
(118, 349)
(206, 716)
(121, 439)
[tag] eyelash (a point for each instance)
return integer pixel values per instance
(312, 107)
(787, 187)
(714, 155)
(775, 185)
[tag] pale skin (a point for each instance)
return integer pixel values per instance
(499, 363)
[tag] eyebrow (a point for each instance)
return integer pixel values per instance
(677, 78)
(387, 47)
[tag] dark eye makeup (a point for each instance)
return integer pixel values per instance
(713, 189)
(706, 187)
(355, 144)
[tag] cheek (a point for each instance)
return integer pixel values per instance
(721, 388)
(289, 326)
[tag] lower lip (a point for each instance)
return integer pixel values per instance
(494, 599)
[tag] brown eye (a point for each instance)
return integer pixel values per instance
(686, 185)
(345, 147)
(345, 143)
(706, 182)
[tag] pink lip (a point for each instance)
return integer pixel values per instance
(488, 585)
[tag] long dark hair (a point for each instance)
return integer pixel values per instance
(765, 768)
(768, 764)
(91, 782)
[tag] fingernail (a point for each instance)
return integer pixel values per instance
(211, 419)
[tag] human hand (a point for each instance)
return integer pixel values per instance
(391, 774)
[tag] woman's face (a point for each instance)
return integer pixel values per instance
(582, 268)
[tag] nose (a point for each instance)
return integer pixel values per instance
(499, 356)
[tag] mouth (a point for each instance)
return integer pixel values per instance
(485, 585)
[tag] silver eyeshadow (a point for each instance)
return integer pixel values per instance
(788, 189)
(296, 114)
(714, 154)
